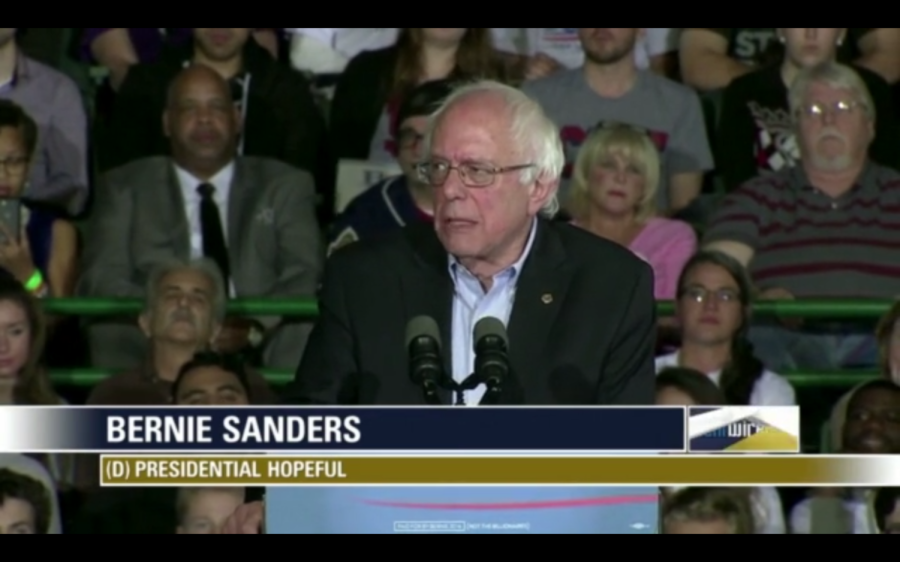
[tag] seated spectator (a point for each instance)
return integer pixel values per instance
(811, 231)
(713, 308)
(613, 195)
(212, 379)
(33, 470)
(707, 511)
(401, 200)
(277, 115)
(203, 511)
(119, 48)
(888, 338)
(864, 422)
(43, 257)
(25, 507)
(364, 109)
(58, 173)
(610, 87)
(155, 209)
(756, 132)
(886, 508)
(711, 57)
(184, 310)
(548, 50)
(23, 379)
(678, 386)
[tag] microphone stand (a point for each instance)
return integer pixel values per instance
(431, 395)
(493, 394)
(459, 389)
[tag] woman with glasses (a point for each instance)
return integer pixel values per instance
(613, 195)
(37, 246)
(713, 308)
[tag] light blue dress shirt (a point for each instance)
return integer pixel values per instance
(470, 304)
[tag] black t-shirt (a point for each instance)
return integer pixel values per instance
(759, 45)
(756, 131)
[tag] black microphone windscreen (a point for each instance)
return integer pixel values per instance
(422, 326)
(490, 326)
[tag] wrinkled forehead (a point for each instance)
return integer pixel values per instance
(822, 91)
(474, 128)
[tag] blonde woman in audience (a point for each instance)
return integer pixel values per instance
(687, 387)
(613, 195)
(203, 511)
(23, 379)
(707, 511)
(713, 311)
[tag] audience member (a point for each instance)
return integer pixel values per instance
(204, 511)
(33, 470)
(326, 51)
(679, 386)
(713, 308)
(25, 507)
(756, 132)
(866, 421)
(401, 200)
(119, 48)
(183, 314)
(276, 112)
(43, 256)
(548, 50)
(613, 195)
(711, 57)
(610, 87)
(364, 109)
(267, 244)
(708, 511)
(59, 167)
(886, 510)
(888, 338)
(213, 379)
(821, 229)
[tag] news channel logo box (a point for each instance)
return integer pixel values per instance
(745, 429)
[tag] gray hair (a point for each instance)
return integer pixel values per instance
(203, 266)
(832, 74)
(532, 131)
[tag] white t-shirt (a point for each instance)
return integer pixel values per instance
(563, 45)
(770, 389)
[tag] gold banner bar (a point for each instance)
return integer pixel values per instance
(667, 470)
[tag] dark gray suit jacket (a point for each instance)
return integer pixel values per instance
(139, 221)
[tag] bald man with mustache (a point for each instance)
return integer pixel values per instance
(826, 228)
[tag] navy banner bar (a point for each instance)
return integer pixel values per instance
(349, 429)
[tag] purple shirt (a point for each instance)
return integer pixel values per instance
(148, 42)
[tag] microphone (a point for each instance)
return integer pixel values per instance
(426, 369)
(491, 357)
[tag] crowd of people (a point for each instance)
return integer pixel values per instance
(205, 164)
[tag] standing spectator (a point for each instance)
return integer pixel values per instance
(59, 169)
(756, 133)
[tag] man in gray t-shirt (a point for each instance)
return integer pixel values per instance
(609, 87)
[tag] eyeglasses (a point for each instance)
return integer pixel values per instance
(701, 294)
(436, 172)
(842, 107)
(14, 164)
(408, 138)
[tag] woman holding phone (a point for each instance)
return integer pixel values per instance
(38, 246)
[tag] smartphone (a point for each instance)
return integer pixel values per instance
(10, 218)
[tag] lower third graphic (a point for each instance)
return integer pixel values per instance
(744, 429)
(453, 527)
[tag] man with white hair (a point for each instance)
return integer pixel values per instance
(579, 309)
(826, 228)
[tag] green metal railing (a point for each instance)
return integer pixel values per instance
(307, 308)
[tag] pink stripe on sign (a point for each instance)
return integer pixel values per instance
(560, 504)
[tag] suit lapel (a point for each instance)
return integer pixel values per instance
(540, 292)
(240, 209)
(429, 290)
(181, 232)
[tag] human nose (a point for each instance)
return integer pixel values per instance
(453, 187)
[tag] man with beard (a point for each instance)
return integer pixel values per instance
(610, 87)
(824, 229)
(254, 217)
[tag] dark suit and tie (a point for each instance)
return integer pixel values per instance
(268, 243)
(582, 329)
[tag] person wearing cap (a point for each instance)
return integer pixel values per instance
(400, 200)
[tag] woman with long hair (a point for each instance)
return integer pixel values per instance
(372, 87)
(713, 310)
(613, 195)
